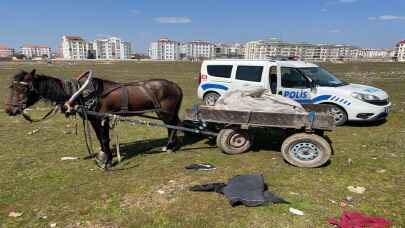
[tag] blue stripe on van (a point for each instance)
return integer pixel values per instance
(213, 86)
(313, 101)
(321, 98)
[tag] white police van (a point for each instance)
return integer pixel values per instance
(304, 82)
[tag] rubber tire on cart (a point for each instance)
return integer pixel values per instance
(339, 115)
(306, 150)
(211, 98)
(234, 141)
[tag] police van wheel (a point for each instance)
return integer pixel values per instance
(306, 150)
(211, 98)
(339, 114)
(234, 141)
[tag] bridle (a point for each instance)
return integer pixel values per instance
(22, 104)
(28, 87)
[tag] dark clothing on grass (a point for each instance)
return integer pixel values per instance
(249, 190)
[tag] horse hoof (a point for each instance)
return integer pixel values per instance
(107, 166)
(101, 160)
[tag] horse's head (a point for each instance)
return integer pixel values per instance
(21, 93)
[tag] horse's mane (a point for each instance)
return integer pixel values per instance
(50, 88)
(57, 90)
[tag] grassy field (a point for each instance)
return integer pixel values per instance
(35, 182)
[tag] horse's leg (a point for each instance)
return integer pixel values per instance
(106, 142)
(104, 157)
(169, 146)
(172, 142)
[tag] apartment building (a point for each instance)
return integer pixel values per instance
(198, 50)
(165, 49)
(270, 49)
(127, 49)
(33, 51)
(400, 53)
(308, 52)
(74, 48)
(257, 50)
(236, 50)
(6, 52)
(229, 50)
(376, 53)
(110, 48)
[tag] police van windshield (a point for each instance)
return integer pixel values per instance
(322, 77)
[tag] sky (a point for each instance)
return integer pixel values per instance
(363, 23)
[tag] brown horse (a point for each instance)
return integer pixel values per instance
(162, 95)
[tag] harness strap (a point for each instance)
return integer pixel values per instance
(118, 86)
(124, 98)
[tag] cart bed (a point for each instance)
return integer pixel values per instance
(314, 120)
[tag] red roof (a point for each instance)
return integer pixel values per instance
(34, 46)
(166, 40)
(402, 42)
(73, 38)
(163, 39)
(3, 47)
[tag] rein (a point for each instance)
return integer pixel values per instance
(48, 115)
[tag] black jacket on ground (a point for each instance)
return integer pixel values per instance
(249, 190)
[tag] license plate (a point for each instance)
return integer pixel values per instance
(387, 109)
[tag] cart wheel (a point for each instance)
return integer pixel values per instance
(233, 141)
(306, 150)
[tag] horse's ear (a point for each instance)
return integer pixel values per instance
(33, 73)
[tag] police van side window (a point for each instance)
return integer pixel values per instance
(249, 73)
(292, 78)
(222, 71)
(273, 79)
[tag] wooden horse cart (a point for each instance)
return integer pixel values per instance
(305, 146)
